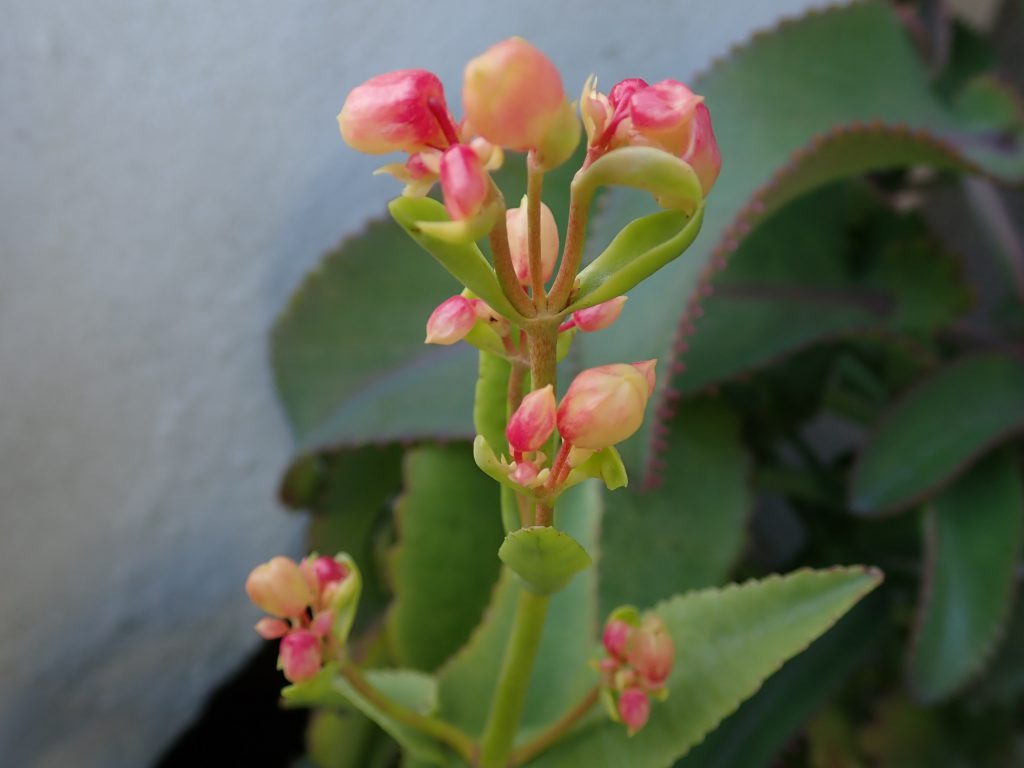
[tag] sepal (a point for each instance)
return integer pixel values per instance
(672, 182)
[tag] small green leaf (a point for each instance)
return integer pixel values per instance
(465, 261)
(727, 643)
(973, 538)
(671, 181)
(640, 249)
(444, 566)
(411, 689)
(937, 431)
(490, 407)
(544, 558)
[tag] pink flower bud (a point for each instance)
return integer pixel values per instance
(615, 638)
(647, 369)
(603, 406)
(598, 317)
(524, 473)
(662, 113)
(271, 629)
(279, 587)
(321, 623)
(451, 321)
(397, 111)
(512, 94)
(702, 153)
(622, 90)
(634, 709)
(651, 652)
(464, 182)
(328, 570)
(533, 422)
(519, 241)
(300, 655)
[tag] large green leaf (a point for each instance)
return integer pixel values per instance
(687, 533)
(973, 537)
(728, 641)
(799, 107)
(828, 265)
(753, 736)
(561, 675)
(347, 739)
(446, 563)
(411, 689)
(937, 430)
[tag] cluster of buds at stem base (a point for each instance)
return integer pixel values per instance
(639, 655)
(312, 606)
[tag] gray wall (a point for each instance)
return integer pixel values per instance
(168, 171)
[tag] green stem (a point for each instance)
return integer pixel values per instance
(572, 254)
(514, 680)
(440, 730)
(547, 738)
(534, 185)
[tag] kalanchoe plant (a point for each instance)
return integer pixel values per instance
(667, 675)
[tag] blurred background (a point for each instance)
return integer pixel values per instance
(170, 171)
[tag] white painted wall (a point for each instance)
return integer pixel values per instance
(168, 171)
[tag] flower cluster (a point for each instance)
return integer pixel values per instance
(512, 98)
(639, 657)
(666, 115)
(310, 603)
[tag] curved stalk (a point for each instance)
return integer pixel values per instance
(547, 738)
(444, 732)
(572, 254)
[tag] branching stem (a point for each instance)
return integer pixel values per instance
(551, 735)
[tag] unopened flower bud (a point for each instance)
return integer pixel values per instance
(600, 316)
(397, 111)
(279, 587)
(646, 367)
(451, 321)
(271, 629)
(615, 638)
(603, 406)
(533, 422)
(662, 113)
(328, 570)
(300, 657)
(651, 651)
(624, 89)
(512, 93)
(525, 473)
(634, 709)
(322, 623)
(464, 182)
(516, 221)
(702, 153)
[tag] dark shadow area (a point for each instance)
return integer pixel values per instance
(243, 718)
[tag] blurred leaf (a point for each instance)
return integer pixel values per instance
(412, 689)
(903, 735)
(561, 675)
(445, 564)
(545, 559)
(786, 126)
(347, 739)
(1003, 680)
(350, 494)
(728, 642)
(687, 533)
(765, 723)
(937, 430)
(973, 540)
(801, 279)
